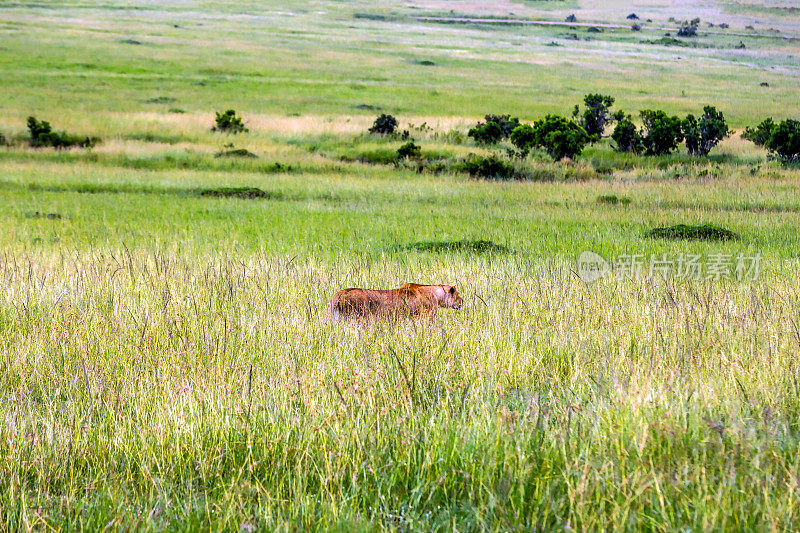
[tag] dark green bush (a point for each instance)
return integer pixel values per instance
(488, 167)
(626, 136)
(705, 133)
(384, 125)
(42, 134)
(707, 232)
(524, 138)
(596, 115)
(247, 193)
(761, 134)
(661, 134)
(486, 133)
(409, 150)
(229, 122)
(559, 137)
(689, 29)
(507, 123)
(785, 140)
(613, 199)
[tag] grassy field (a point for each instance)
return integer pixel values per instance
(166, 361)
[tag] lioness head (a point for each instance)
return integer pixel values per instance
(451, 297)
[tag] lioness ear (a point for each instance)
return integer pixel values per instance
(452, 290)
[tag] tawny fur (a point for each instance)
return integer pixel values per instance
(410, 300)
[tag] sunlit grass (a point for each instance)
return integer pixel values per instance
(158, 390)
(166, 360)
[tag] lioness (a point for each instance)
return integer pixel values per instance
(412, 299)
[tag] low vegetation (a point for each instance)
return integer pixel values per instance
(489, 132)
(409, 150)
(236, 152)
(626, 135)
(703, 134)
(708, 232)
(247, 193)
(384, 125)
(761, 134)
(479, 247)
(489, 167)
(495, 129)
(42, 134)
(784, 141)
(595, 116)
(559, 137)
(660, 133)
(689, 28)
(613, 199)
(781, 139)
(229, 122)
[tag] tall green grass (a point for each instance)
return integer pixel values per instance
(160, 391)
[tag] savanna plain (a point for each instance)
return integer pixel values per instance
(166, 357)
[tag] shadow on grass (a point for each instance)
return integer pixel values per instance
(236, 160)
(464, 246)
(46, 216)
(237, 152)
(705, 232)
(613, 199)
(246, 193)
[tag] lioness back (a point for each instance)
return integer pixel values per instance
(411, 299)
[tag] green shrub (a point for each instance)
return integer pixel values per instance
(236, 152)
(595, 116)
(559, 137)
(42, 134)
(453, 136)
(409, 150)
(761, 134)
(707, 232)
(785, 140)
(524, 138)
(486, 133)
(661, 134)
(613, 199)
(689, 29)
(703, 134)
(229, 122)
(384, 125)
(507, 123)
(488, 167)
(626, 136)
